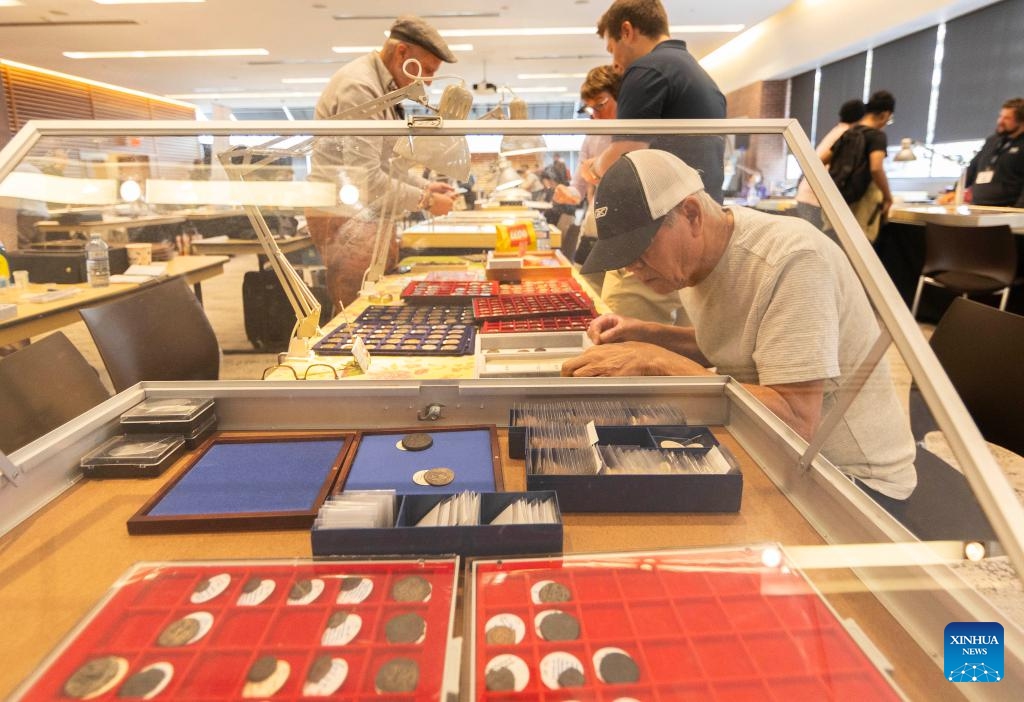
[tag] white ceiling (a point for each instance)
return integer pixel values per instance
(299, 34)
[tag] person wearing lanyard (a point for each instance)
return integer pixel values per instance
(996, 173)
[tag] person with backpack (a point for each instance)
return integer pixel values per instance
(856, 164)
(807, 205)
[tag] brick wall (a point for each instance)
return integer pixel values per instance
(762, 100)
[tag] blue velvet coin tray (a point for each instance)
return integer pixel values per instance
(248, 481)
(376, 463)
(392, 330)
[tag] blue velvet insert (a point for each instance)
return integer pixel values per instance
(378, 464)
(261, 476)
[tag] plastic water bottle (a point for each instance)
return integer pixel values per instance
(97, 262)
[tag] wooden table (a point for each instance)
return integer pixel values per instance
(36, 318)
(61, 561)
(109, 224)
(225, 246)
(962, 216)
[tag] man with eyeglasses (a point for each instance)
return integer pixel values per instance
(774, 304)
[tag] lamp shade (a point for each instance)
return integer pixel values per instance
(513, 145)
(507, 177)
(447, 155)
(906, 152)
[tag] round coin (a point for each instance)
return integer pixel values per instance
(439, 476)
(96, 677)
(557, 626)
(417, 442)
(397, 675)
(500, 680)
(411, 588)
(500, 636)
(550, 591)
(615, 666)
(148, 682)
(405, 628)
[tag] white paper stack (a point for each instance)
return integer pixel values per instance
(358, 509)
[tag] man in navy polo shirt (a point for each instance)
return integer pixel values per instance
(661, 80)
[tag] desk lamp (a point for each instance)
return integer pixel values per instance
(906, 153)
(519, 144)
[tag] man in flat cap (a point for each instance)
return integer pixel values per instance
(774, 304)
(344, 236)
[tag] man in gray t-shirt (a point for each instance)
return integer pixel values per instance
(773, 303)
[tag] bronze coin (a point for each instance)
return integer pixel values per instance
(411, 588)
(350, 583)
(554, 592)
(417, 442)
(619, 668)
(95, 676)
(178, 633)
(398, 675)
(439, 476)
(501, 636)
(500, 680)
(300, 589)
(559, 626)
(321, 666)
(337, 619)
(405, 628)
(262, 669)
(143, 682)
(252, 585)
(570, 677)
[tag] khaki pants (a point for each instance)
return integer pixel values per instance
(866, 212)
(346, 247)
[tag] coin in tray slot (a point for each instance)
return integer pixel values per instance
(132, 456)
(512, 306)
(400, 339)
(401, 314)
(431, 292)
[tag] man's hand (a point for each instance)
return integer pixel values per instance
(630, 358)
(440, 198)
(613, 328)
(565, 195)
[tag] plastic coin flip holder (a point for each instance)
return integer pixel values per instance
(516, 306)
(448, 292)
(132, 456)
(702, 624)
(192, 418)
(262, 630)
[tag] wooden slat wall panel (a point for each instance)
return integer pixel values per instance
(108, 104)
(33, 95)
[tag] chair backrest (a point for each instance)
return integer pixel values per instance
(158, 333)
(988, 251)
(981, 349)
(43, 386)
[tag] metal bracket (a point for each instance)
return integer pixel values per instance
(8, 469)
(430, 413)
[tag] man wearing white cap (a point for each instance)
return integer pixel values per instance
(344, 238)
(773, 303)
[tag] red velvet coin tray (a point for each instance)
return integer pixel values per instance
(245, 481)
(515, 306)
(710, 624)
(447, 292)
(485, 539)
(541, 287)
(148, 599)
(377, 463)
(568, 322)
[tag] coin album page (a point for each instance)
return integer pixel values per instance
(702, 624)
(261, 630)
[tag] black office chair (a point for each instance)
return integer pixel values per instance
(980, 348)
(42, 386)
(158, 333)
(968, 261)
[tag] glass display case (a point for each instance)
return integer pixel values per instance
(818, 515)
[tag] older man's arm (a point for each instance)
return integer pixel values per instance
(614, 328)
(797, 404)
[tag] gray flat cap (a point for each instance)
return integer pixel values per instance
(416, 30)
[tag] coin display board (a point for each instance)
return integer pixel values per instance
(397, 330)
(241, 481)
(716, 624)
(567, 322)
(262, 630)
(517, 306)
(447, 292)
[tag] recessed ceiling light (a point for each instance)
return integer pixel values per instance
(166, 53)
(575, 31)
(10, 3)
(368, 49)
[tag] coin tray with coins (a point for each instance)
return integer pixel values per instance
(447, 292)
(518, 306)
(567, 322)
(633, 469)
(541, 287)
(528, 354)
(715, 623)
(132, 456)
(425, 461)
(499, 529)
(404, 331)
(262, 630)
(247, 481)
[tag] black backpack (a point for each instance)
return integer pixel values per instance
(850, 166)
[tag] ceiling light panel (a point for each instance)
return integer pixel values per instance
(165, 53)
